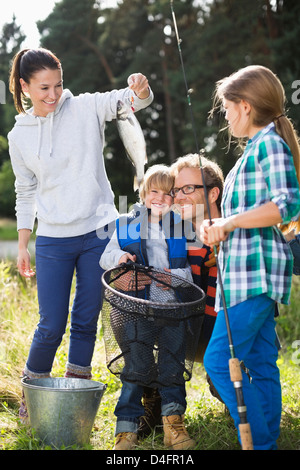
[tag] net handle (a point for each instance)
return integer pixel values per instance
(146, 269)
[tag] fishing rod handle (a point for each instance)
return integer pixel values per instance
(235, 370)
(244, 428)
(246, 436)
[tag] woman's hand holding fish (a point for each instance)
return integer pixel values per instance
(138, 83)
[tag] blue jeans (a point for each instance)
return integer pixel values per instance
(56, 261)
(253, 332)
(137, 340)
(129, 407)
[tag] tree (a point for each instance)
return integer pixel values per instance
(229, 35)
(7, 190)
(284, 33)
(11, 39)
(71, 32)
(10, 42)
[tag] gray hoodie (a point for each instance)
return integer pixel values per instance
(59, 166)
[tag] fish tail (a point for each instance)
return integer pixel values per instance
(136, 184)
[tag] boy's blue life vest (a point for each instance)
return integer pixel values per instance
(132, 232)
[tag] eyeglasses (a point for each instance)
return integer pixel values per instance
(187, 189)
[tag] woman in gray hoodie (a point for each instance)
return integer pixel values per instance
(56, 150)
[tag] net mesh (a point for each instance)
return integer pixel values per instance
(151, 324)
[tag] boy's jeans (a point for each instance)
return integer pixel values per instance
(129, 407)
(137, 340)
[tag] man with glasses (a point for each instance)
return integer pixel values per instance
(189, 200)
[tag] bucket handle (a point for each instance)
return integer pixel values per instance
(100, 391)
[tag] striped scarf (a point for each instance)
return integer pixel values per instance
(204, 269)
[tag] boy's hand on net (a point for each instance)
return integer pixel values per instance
(164, 278)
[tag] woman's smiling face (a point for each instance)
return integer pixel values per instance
(44, 89)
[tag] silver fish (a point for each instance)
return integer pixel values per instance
(133, 140)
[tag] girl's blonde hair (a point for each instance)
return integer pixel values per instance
(261, 88)
(158, 176)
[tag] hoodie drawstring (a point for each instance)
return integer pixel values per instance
(50, 135)
(40, 135)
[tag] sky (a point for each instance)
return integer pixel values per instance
(27, 13)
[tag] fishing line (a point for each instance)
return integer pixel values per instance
(234, 363)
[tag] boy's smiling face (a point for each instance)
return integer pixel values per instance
(158, 202)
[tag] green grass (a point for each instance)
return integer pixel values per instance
(8, 230)
(207, 420)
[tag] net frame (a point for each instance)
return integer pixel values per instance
(148, 269)
(193, 311)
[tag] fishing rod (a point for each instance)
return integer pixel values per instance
(234, 363)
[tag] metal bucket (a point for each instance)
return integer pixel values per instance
(62, 411)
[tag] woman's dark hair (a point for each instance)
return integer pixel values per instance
(25, 64)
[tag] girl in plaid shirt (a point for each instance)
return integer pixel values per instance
(260, 193)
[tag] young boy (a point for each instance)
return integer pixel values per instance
(146, 236)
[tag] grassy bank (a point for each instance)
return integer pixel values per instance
(8, 229)
(208, 423)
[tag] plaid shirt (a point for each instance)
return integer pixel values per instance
(256, 261)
